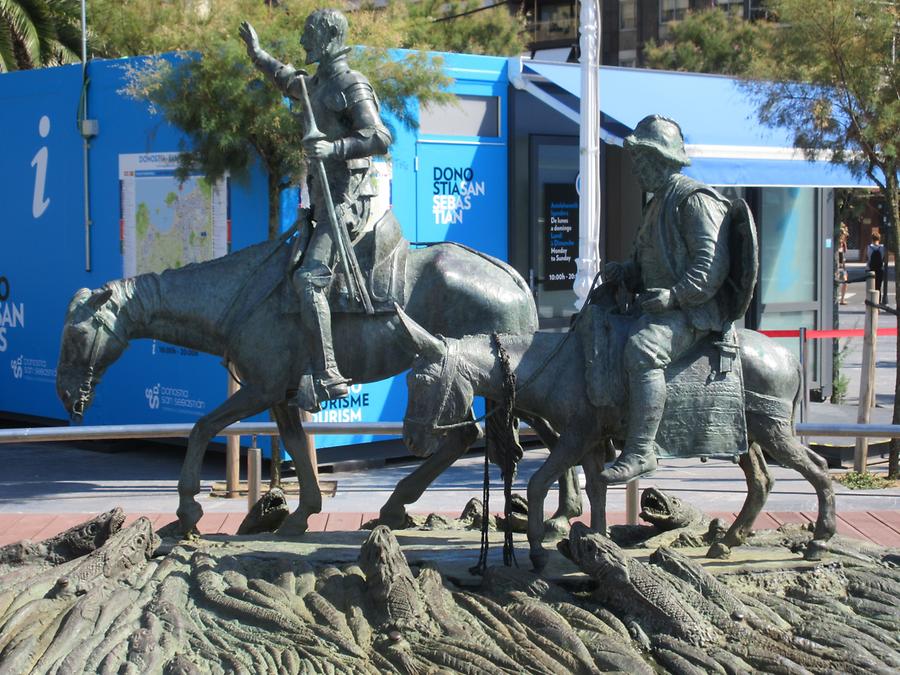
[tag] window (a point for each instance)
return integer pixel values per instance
(627, 14)
(733, 7)
(672, 10)
(467, 116)
(556, 21)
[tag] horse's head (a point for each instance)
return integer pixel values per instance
(91, 341)
(439, 396)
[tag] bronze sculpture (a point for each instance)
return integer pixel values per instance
(679, 269)
(540, 362)
(342, 104)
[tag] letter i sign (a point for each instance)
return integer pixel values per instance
(39, 203)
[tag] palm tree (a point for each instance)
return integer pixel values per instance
(36, 33)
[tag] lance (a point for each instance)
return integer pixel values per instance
(355, 283)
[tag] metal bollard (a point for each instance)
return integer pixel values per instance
(254, 473)
(867, 376)
(232, 451)
(632, 503)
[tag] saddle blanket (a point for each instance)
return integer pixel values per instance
(704, 413)
(381, 253)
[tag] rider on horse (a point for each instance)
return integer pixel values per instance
(346, 109)
(679, 268)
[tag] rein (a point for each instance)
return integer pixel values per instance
(87, 385)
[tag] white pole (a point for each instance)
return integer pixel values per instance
(589, 150)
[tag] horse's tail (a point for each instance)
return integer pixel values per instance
(797, 395)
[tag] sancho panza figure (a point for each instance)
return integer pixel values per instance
(679, 264)
(346, 110)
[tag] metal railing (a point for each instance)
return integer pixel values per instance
(253, 429)
(125, 431)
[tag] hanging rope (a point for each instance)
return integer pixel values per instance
(503, 448)
(481, 565)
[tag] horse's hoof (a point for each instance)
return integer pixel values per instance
(188, 517)
(815, 550)
(556, 528)
(293, 526)
(538, 560)
(392, 520)
(719, 550)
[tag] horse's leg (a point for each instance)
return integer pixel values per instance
(570, 501)
(593, 463)
(777, 438)
(291, 429)
(759, 485)
(567, 453)
(245, 402)
(411, 487)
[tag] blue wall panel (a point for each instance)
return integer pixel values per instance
(42, 260)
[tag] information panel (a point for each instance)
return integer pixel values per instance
(560, 236)
(166, 223)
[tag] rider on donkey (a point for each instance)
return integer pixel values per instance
(346, 109)
(678, 267)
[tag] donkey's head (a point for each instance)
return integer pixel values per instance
(439, 395)
(91, 341)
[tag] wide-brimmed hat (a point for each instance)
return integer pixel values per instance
(661, 134)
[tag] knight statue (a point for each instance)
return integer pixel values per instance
(678, 270)
(346, 110)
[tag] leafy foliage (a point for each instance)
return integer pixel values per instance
(834, 79)
(864, 481)
(211, 90)
(36, 33)
(711, 41)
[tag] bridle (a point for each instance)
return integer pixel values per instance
(449, 368)
(87, 384)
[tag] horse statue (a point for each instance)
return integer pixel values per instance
(235, 307)
(550, 370)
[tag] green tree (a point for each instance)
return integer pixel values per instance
(211, 91)
(464, 26)
(833, 78)
(36, 33)
(711, 41)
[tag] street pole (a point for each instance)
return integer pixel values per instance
(588, 260)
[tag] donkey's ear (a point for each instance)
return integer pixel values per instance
(419, 340)
(99, 297)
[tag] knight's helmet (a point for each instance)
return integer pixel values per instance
(662, 135)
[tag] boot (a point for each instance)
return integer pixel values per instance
(646, 402)
(327, 381)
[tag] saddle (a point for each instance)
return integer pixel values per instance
(382, 253)
(704, 413)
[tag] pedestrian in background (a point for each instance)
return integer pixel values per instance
(842, 276)
(875, 259)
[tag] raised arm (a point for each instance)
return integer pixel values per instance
(282, 74)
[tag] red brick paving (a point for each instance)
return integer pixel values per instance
(342, 522)
(872, 528)
(783, 517)
(889, 518)
(881, 527)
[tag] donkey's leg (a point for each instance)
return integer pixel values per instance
(777, 438)
(246, 402)
(291, 429)
(570, 501)
(410, 488)
(759, 485)
(567, 453)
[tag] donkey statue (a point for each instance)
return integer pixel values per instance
(551, 372)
